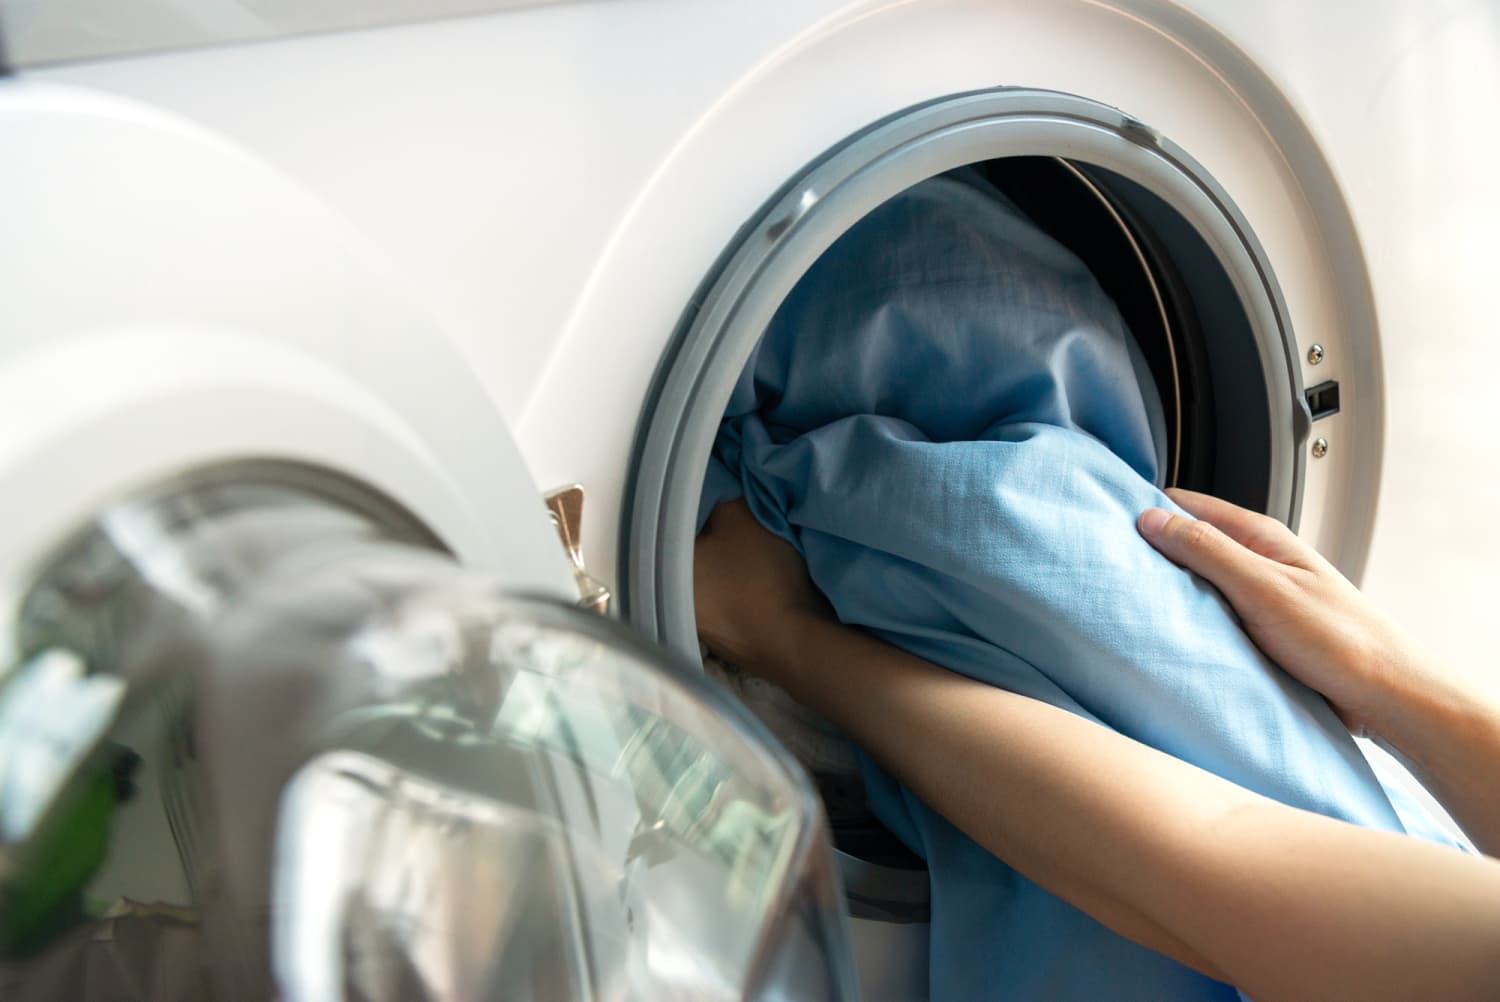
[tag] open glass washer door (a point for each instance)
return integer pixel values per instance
(275, 719)
(264, 740)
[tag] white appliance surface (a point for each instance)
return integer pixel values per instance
(555, 181)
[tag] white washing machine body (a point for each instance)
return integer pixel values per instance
(555, 181)
(563, 185)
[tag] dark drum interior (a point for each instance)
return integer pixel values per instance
(1067, 202)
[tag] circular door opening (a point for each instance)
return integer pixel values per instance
(1160, 236)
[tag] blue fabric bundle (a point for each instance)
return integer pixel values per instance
(950, 422)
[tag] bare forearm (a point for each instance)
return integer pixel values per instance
(935, 731)
(1280, 902)
(1449, 734)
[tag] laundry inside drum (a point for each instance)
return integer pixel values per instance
(1082, 210)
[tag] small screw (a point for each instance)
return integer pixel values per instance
(1315, 354)
(1320, 448)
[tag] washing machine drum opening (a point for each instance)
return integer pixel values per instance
(1106, 224)
(1163, 242)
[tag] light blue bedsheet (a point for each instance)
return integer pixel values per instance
(948, 419)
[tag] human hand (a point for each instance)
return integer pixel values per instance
(751, 591)
(1295, 606)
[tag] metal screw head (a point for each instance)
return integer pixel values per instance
(1315, 354)
(1320, 448)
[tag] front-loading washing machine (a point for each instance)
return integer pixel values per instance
(603, 204)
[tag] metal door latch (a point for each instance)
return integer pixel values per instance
(566, 507)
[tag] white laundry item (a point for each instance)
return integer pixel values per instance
(821, 748)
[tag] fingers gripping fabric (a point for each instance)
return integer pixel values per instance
(949, 420)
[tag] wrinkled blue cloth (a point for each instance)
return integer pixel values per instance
(949, 420)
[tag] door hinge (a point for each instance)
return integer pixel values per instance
(566, 507)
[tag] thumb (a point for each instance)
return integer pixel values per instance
(1204, 550)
